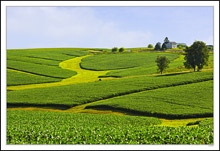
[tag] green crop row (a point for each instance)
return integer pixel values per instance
(71, 95)
(34, 60)
(56, 54)
(38, 127)
(122, 60)
(18, 78)
(191, 100)
(44, 70)
(176, 65)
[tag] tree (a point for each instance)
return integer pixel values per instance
(196, 55)
(166, 40)
(180, 46)
(164, 46)
(115, 49)
(150, 46)
(122, 49)
(157, 46)
(162, 63)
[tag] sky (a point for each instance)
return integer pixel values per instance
(106, 27)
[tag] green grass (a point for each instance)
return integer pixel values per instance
(184, 101)
(122, 60)
(37, 127)
(71, 95)
(18, 78)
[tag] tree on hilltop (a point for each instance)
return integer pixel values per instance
(166, 40)
(115, 49)
(150, 46)
(122, 49)
(157, 46)
(196, 55)
(164, 46)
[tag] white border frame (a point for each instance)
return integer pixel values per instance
(214, 4)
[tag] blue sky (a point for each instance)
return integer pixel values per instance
(106, 27)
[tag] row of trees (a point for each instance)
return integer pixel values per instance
(115, 49)
(196, 55)
(164, 46)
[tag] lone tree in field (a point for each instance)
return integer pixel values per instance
(196, 55)
(162, 63)
(122, 49)
(115, 49)
(150, 46)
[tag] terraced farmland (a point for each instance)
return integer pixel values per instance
(125, 64)
(42, 63)
(74, 80)
(165, 103)
(72, 95)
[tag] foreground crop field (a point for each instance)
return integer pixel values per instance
(52, 91)
(68, 128)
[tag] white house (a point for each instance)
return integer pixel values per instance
(171, 45)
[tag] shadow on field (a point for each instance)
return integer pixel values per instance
(139, 113)
(51, 106)
(173, 74)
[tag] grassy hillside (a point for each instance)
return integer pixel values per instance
(42, 62)
(173, 102)
(20, 78)
(71, 95)
(122, 60)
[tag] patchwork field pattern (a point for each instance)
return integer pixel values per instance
(68, 83)
(40, 62)
(72, 95)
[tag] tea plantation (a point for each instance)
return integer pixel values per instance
(37, 127)
(69, 85)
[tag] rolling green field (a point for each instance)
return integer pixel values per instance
(37, 127)
(42, 63)
(140, 98)
(72, 95)
(122, 60)
(43, 70)
(165, 103)
(19, 78)
(125, 64)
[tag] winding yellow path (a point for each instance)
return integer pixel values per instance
(82, 75)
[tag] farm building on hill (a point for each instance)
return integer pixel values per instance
(172, 44)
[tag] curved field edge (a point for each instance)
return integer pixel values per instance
(15, 78)
(75, 94)
(164, 121)
(185, 101)
(42, 62)
(68, 128)
(122, 60)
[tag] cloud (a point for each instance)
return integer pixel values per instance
(66, 27)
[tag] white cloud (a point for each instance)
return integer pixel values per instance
(70, 27)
